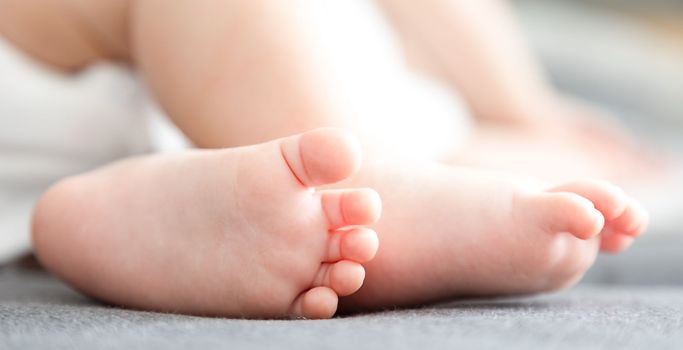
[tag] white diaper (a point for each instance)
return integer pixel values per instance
(403, 110)
(54, 125)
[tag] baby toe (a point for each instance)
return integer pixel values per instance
(633, 221)
(344, 277)
(321, 156)
(614, 242)
(566, 212)
(607, 198)
(351, 207)
(316, 303)
(358, 244)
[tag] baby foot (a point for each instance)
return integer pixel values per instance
(461, 232)
(598, 213)
(236, 232)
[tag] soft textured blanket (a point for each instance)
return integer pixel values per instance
(38, 312)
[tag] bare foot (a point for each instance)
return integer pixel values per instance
(235, 232)
(450, 232)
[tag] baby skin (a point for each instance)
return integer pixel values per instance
(238, 232)
(455, 232)
(235, 232)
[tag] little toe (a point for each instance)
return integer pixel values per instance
(316, 303)
(567, 212)
(344, 277)
(358, 244)
(351, 207)
(321, 156)
(607, 198)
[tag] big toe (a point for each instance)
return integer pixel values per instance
(607, 198)
(322, 156)
(565, 212)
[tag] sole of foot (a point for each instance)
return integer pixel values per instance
(238, 232)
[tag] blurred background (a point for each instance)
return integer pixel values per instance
(626, 55)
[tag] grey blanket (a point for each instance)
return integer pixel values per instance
(39, 312)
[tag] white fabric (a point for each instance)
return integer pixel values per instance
(401, 109)
(53, 125)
